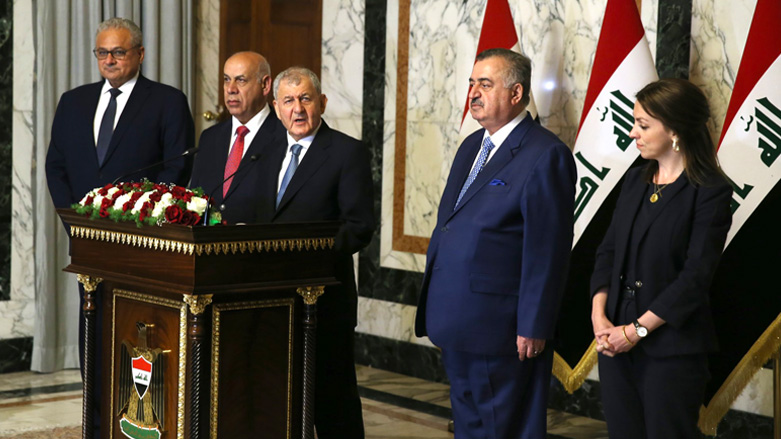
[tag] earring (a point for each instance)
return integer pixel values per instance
(676, 148)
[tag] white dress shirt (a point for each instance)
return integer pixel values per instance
(105, 98)
(305, 143)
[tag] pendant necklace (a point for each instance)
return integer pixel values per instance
(657, 192)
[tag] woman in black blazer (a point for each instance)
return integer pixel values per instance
(650, 286)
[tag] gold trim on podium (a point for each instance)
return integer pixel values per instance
(233, 247)
(217, 311)
(90, 283)
(182, 373)
(310, 294)
(198, 303)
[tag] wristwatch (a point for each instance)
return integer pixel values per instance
(640, 330)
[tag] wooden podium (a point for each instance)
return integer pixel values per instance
(205, 332)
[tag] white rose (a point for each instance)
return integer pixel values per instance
(161, 205)
(89, 194)
(197, 204)
(121, 200)
(111, 192)
(140, 202)
(97, 201)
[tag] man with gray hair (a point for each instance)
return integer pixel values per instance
(226, 164)
(105, 130)
(315, 173)
(497, 260)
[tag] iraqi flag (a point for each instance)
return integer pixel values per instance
(745, 299)
(603, 153)
(142, 375)
(498, 31)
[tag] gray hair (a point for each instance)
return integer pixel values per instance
(293, 75)
(136, 37)
(518, 71)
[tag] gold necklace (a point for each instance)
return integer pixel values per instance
(657, 192)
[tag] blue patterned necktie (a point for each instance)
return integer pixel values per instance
(481, 159)
(107, 125)
(295, 150)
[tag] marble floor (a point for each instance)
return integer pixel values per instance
(394, 406)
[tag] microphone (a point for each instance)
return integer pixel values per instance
(253, 158)
(191, 151)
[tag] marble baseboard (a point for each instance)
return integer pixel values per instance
(400, 357)
(15, 354)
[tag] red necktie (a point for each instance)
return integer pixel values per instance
(234, 158)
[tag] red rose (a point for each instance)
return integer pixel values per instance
(89, 200)
(103, 212)
(136, 196)
(146, 209)
(178, 192)
(187, 218)
(155, 196)
(105, 203)
(173, 214)
(127, 206)
(196, 219)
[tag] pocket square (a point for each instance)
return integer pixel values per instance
(497, 182)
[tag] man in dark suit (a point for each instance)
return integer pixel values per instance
(497, 260)
(105, 130)
(316, 173)
(235, 145)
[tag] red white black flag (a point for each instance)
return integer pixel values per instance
(744, 293)
(603, 153)
(142, 375)
(603, 150)
(498, 31)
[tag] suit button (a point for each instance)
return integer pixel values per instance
(222, 207)
(444, 229)
(436, 267)
(638, 283)
(621, 278)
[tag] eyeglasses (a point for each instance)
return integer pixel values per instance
(116, 53)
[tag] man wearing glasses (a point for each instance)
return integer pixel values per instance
(107, 130)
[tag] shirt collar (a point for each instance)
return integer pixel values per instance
(125, 88)
(502, 133)
(304, 142)
(254, 123)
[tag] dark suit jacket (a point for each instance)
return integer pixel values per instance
(241, 202)
(676, 260)
(496, 265)
(332, 182)
(156, 124)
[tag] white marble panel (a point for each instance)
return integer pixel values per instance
(18, 313)
(342, 64)
(207, 62)
(719, 32)
(389, 320)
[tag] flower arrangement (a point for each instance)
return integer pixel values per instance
(146, 203)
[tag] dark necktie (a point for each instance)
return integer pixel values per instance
(107, 125)
(291, 169)
(481, 159)
(234, 158)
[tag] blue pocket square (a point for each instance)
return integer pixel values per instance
(497, 182)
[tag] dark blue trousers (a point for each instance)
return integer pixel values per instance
(498, 396)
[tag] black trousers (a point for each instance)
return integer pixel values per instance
(338, 412)
(646, 397)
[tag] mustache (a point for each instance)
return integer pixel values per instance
(476, 101)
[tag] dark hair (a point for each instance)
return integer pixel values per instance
(683, 108)
(518, 71)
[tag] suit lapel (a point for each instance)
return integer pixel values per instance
(459, 173)
(134, 104)
(509, 149)
(271, 164)
(87, 131)
(316, 155)
(220, 159)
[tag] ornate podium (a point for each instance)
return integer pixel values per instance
(206, 332)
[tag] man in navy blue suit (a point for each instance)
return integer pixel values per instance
(234, 146)
(315, 173)
(108, 129)
(497, 260)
